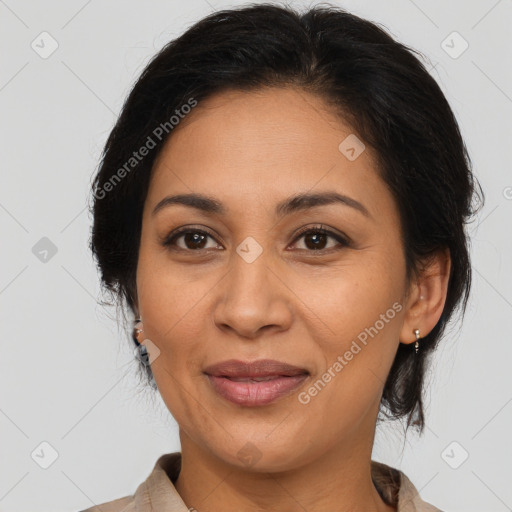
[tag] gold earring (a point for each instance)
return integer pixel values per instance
(417, 344)
(138, 327)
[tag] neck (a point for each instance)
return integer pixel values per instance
(338, 480)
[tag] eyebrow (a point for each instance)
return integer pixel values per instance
(298, 202)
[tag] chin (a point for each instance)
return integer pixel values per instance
(263, 454)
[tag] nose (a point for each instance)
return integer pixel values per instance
(253, 299)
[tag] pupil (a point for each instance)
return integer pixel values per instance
(317, 238)
(196, 238)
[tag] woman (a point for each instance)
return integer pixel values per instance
(281, 206)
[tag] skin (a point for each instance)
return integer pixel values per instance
(251, 150)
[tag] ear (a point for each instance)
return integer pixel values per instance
(427, 296)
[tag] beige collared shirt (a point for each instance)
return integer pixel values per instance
(158, 494)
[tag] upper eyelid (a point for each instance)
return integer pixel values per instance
(321, 228)
(187, 229)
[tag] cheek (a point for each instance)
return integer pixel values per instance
(172, 307)
(351, 298)
(356, 362)
(171, 298)
(358, 333)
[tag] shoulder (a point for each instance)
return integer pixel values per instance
(397, 490)
(410, 499)
(157, 491)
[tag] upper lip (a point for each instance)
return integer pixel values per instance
(250, 369)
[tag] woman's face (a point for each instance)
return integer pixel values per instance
(247, 284)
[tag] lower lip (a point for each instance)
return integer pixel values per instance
(252, 394)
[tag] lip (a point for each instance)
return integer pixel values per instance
(234, 380)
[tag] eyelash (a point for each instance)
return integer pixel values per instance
(170, 240)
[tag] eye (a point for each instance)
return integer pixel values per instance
(193, 239)
(316, 238)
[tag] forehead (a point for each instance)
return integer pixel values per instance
(263, 123)
(263, 144)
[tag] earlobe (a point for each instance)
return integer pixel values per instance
(428, 297)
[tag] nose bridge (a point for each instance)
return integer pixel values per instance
(248, 279)
(252, 296)
(250, 260)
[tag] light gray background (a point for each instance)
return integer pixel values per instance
(67, 376)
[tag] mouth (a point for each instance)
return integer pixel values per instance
(255, 383)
